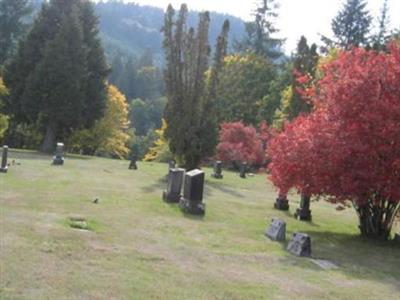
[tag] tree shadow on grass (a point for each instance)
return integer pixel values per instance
(210, 185)
(356, 256)
(157, 185)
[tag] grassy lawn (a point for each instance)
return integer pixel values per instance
(138, 247)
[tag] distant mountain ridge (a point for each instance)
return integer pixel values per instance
(132, 29)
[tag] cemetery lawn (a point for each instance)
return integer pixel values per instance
(137, 247)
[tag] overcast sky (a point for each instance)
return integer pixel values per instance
(296, 17)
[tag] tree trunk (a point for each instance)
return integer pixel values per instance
(49, 141)
(377, 218)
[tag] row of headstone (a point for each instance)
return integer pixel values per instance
(4, 156)
(191, 201)
(299, 245)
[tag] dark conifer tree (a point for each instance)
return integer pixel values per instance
(187, 52)
(382, 36)
(351, 26)
(260, 32)
(57, 78)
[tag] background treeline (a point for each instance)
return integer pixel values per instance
(67, 65)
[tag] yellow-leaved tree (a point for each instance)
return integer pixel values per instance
(108, 137)
(160, 151)
(3, 118)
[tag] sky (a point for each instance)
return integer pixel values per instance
(296, 17)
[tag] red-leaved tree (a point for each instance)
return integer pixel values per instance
(238, 143)
(348, 148)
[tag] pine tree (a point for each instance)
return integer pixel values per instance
(187, 52)
(382, 36)
(304, 64)
(57, 78)
(11, 25)
(208, 130)
(351, 26)
(260, 32)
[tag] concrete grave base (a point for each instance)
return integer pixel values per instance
(193, 208)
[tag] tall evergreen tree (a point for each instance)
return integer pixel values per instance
(304, 64)
(11, 25)
(187, 52)
(382, 36)
(260, 39)
(208, 130)
(57, 78)
(351, 26)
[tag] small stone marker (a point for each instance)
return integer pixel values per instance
(192, 200)
(243, 169)
(304, 213)
(4, 156)
(174, 186)
(300, 244)
(132, 164)
(217, 170)
(277, 230)
(325, 264)
(58, 158)
(281, 203)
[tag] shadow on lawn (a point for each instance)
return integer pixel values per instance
(209, 185)
(159, 185)
(356, 256)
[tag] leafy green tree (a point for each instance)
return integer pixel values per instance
(57, 78)
(260, 32)
(12, 26)
(244, 82)
(351, 26)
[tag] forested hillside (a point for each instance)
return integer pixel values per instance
(131, 29)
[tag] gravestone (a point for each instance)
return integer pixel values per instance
(300, 244)
(58, 158)
(277, 230)
(174, 185)
(132, 164)
(192, 200)
(4, 156)
(304, 213)
(243, 169)
(281, 203)
(217, 170)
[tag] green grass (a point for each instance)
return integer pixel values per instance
(138, 247)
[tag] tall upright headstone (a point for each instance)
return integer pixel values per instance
(4, 156)
(281, 203)
(174, 185)
(304, 213)
(300, 244)
(192, 200)
(58, 158)
(243, 169)
(132, 163)
(217, 170)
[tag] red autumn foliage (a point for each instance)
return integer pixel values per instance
(239, 142)
(348, 148)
